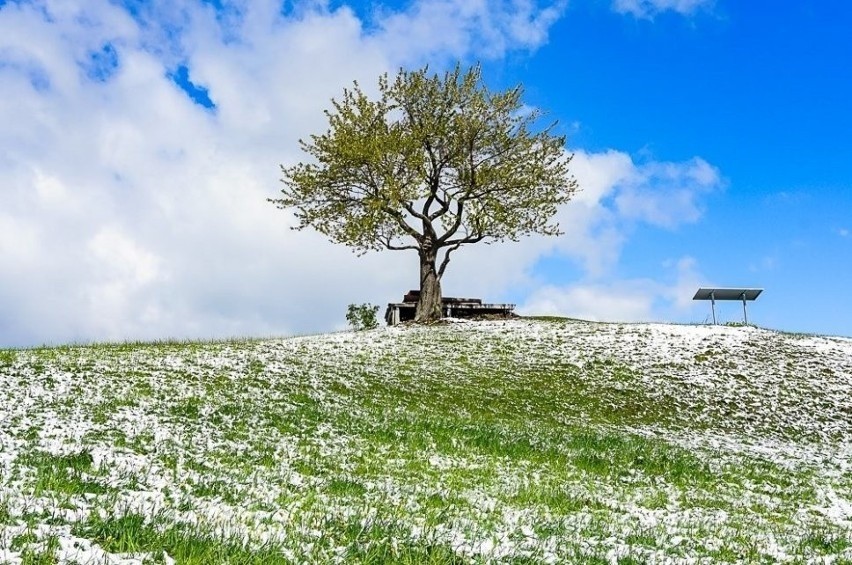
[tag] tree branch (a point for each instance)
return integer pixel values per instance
(455, 227)
(410, 209)
(400, 220)
(434, 177)
(467, 239)
(446, 260)
(400, 247)
(445, 204)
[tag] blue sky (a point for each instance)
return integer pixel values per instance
(761, 93)
(141, 139)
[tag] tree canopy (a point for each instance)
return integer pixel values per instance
(432, 163)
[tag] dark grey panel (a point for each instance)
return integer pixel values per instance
(727, 293)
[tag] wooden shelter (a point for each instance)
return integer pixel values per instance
(450, 308)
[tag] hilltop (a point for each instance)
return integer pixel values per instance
(531, 441)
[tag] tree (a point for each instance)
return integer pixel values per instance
(429, 165)
(362, 316)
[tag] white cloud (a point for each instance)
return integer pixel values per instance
(635, 300)
(667, 194)
(489, 28)
(117, 258)
(625, 301)
(120, 271)
(128, 211)
(843, 232)
(618, 193)
(650, 8)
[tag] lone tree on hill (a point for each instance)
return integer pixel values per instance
(434, 163)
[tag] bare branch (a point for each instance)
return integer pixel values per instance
(399, 218)
(446, 260)
(467, 239)
(456, 224)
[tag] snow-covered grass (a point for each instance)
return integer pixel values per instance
(524, 441)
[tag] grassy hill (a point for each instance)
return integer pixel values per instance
(525, 441)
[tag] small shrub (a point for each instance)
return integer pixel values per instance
(362, 316)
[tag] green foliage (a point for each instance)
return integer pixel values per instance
(435, 162)
(362, 316)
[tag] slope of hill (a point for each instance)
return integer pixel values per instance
(508, 441)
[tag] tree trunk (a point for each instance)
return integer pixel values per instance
(429, 303)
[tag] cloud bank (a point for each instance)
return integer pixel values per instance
(141, 141)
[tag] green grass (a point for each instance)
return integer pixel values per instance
(66, 474)
(516, 443)
(133, 533)
(7, 358)
(5, 513)
(45, 556)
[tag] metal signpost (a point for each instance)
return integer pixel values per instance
(714, 294)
